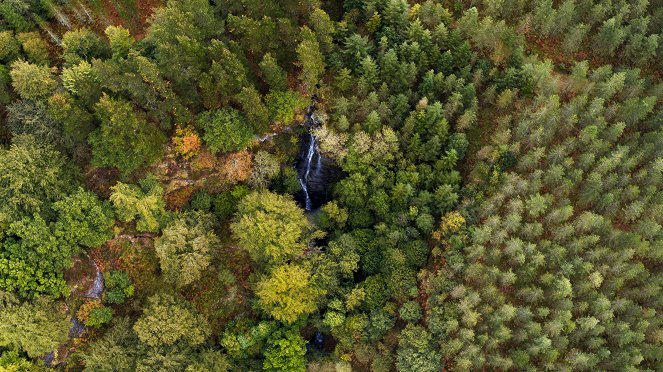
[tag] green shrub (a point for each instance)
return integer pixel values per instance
(410, 311)
(225, 203)
(283, 105)
(288, 181)
(9, 47)
(202, 201)
(226, 130)
(118, 287)
(99, 317)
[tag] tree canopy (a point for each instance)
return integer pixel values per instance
(186, 246)
(125, 139)
(271, 227)
(306, 185)
(167, 320)
(34, 328)
(286, 293)
(225, 130)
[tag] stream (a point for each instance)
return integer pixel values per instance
(77, 328)
(317, 174)
(304, 179)
(97, 286)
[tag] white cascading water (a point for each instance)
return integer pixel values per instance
(97, 286)
(303, 180)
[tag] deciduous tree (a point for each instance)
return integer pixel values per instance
(82, 219)
(264, 168)
(117, 287)
(35, 328)
(120, 40)
(167, 320)
(271, 227)
(143, 204)
(124, 140)
(82, 45)
(9, 47)
(32, 81)
(34, 47)
(416, 351)
(286, 293)
(32, 176)
(285, 352)
(185, 247)
(282, 106)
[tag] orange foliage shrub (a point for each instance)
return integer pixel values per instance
(177, 199)
(106, 257)
(84, 311)
(236, 167)
(204, 160)
(140, 262)
(187, 142)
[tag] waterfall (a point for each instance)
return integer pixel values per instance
(303, 180)
(98, 286)
(316, 172)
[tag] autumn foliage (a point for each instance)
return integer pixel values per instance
(187, 142)
(236, 167)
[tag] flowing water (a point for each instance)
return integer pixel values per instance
(77, 328)
(316, 173)
(303, 180)
(266, 137)
(98, 285)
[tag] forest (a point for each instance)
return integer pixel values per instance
(331, 185)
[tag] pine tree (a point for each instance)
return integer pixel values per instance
(310, 58)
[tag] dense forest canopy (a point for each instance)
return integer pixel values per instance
(317, 185)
